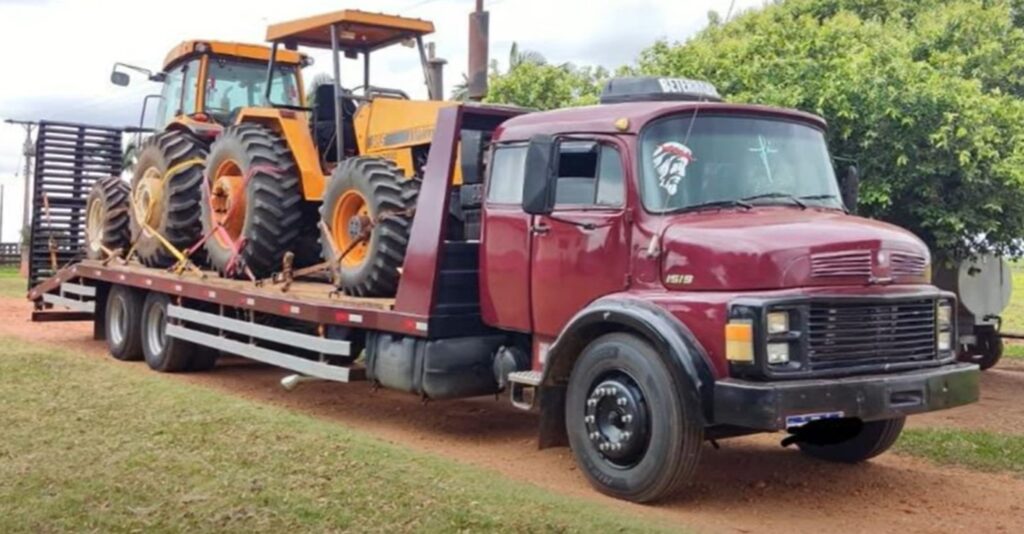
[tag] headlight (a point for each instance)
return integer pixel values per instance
(778, 353)
(778, 322)
(945, 314)
(944, 340)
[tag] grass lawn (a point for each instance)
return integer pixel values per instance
(90, 446)
(985, 451)
(11, 283)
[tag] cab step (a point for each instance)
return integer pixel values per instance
(523, 388)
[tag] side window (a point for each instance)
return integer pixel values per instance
(589, 174)
(508, 167)
(170, 102)
(188, 100)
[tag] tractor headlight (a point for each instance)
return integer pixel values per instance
(778, 322)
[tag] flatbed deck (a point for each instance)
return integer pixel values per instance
(311, 301)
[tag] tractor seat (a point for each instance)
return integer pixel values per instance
(322, 124)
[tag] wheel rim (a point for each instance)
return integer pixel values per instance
(617, 419)
(155, 329)
(148, 197)
(94, 225)
(227, 201)
(350, 219)
(118, 320)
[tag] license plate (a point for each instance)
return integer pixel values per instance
(794, 421)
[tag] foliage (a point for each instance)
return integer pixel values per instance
(925, 94)
(532, 82)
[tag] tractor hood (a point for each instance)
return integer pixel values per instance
(779, 247)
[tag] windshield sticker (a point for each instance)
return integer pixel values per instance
(670, 161)
(763, 150)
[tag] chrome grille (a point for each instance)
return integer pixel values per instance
(845, 263)
(848, 334)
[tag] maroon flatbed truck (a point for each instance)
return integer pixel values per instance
(648, 274)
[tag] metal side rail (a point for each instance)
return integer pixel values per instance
(57, 299)
(279, 336)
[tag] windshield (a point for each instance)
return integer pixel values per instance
(690, 161)
(231, 85)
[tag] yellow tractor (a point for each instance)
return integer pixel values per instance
(355, 156)
(205, 84)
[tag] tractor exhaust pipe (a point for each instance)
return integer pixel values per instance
(479, 43)
(435, 66)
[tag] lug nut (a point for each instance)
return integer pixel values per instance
(628, 418)
(592, 402)
(594, 436)
(622, 401)
(627, 435)
(588, 419)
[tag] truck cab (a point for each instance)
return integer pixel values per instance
(666, 236)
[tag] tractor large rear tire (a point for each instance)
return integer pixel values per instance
(106, 223)
(362, 190)
(251, 167)
(176, 195)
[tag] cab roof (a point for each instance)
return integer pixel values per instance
(606, 118)
(256, 52)
(359, 30)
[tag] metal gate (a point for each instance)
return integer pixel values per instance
(69, 158)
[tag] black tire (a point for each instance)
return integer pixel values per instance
(121, 323)
(390, 199)
(989, 349)
(109, 226)
(276, 215)
(178, 221)
(850, 441)
(658, 427)
(164, 354)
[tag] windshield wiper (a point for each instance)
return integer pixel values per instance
(787, 196)
(818, 197)
(719, 204)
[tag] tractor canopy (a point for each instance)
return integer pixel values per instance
(358, 31)
(254, 52)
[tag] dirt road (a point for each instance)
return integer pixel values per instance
(749, 485)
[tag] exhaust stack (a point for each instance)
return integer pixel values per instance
(479, 42)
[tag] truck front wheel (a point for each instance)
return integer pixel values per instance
(850, 441)
(635, 432)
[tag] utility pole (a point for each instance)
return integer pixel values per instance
(29, 151)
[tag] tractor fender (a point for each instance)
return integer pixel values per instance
(683, 354)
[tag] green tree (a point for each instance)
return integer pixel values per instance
(532, 82)
(925, 94)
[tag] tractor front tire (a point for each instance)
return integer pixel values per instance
(169, 201)
(253, 192)
(371, 195)
(106, 223)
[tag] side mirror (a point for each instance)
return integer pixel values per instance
(471, 156)
(119, 78)
(539, 181)
(850, 187)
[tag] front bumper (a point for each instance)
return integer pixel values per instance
(781, 404)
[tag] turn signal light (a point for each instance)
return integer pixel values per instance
(739, 341)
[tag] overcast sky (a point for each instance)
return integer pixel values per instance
(57, 54)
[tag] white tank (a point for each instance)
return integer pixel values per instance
(984, 286)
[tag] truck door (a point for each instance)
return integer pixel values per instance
(581, 251)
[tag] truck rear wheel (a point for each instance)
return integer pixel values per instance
(106, 222)
(253, 193)
(166, 195)
(635, 431)
(164, 353)
(121, 322)
(367, 195)
(850, 441)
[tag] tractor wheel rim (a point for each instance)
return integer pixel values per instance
(155, 329)
(348, 222)
(617, 420)
(94, 225)
(148, 197)
(118, 320)
(227, 201)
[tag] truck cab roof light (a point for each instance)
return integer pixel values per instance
(652, 89)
